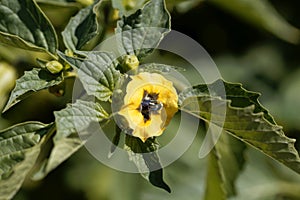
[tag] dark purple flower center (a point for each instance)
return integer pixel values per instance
(149, 105)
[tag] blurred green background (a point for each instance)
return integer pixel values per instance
(243, 51)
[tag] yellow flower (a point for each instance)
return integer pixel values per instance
(149, 104)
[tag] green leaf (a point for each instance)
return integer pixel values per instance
(74, 118)
(145, 157)
(160, 68)
(141, 32)
(62, 150)
(127, 7)
(224, 165)
(97, 73)
(183, 6)
(55, 1)
(264, 179)
(77, 117)
(115, 141)
(239, 96)
(52, 7)
(80, 29)
(18, 153)
(245, 119)
(24, 25)
(32, 81)
(47, 5)
(231, 160)
(261, 14)
(214, 179)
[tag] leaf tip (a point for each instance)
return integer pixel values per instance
(155, 179)
(111, 151)
(7, 107)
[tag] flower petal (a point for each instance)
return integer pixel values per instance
(152, 83)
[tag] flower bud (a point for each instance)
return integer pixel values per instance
(69, 52)
(129, 4)
(8, 76)
(130, 62)
(54, 66)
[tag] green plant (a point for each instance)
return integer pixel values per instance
(100, 74)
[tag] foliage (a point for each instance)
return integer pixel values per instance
(34, 148)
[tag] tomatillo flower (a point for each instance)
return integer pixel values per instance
(149, 104)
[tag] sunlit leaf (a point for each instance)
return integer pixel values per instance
(239, 96)
(24, 25)
(32, 81)
(142, 31)
(245, 119)
(62, 150)
(77, 117)
(262, 178)
(225, 163)
(159, 68)
(115, 141)
(18, 153)
(183, 6)
(57, 2)
(127, 7)
(214, 178)
(52, 7)
(80, 29)
(97, 73)
(70, 121)
(146, 159)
